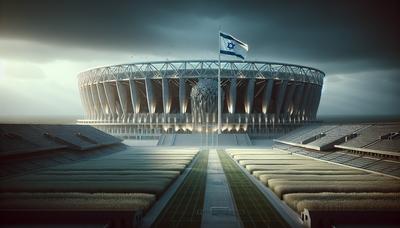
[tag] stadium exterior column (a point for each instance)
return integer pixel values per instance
(297, 99)
(134, 96)
(95, 96)
(165, 95)
(310, 101)
(123, 99)
(306, 95)
(182, 95)
(307, 100)
(95, 90)
(232, 96)
(150, 95)
(315, 103)
(250, 96)
(281, 97)
(102, 98)
(89, 100)
(267, 95)
(288, 99)
(110, 98)
(315, 97)
(83, 98)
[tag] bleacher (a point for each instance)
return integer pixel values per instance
(374, 139)
(386, 145)
(362, 162)
(321, 137)
(336, 135)
(384, 138)
(15, 138)
(380, 165)
(27, 138)
(305, 136)
(28, 147)
(386, 166)
(373, 147)
(291, 136)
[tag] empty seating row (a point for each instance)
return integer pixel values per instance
(336, 135)
(381, 165)
(372, 138)
(325, 194)
(114, 189)
(26, 138)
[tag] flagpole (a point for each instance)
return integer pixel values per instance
(219, 83)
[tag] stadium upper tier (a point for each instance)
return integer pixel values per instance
(164, 95)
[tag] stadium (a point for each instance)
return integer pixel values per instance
(321, 174)
(153, 98)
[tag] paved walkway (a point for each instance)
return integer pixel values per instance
(219, 209)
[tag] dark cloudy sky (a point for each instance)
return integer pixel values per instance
(44, 44)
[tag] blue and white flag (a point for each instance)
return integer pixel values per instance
(229, 45)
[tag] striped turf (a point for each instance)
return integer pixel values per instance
(254, 209)
(185, 208)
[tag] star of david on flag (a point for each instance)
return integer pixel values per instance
(229, 45)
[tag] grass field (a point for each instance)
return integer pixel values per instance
(306, 183)
(267, 178)
(127, 179)
(254, 209)
(185, 207)
(295, 198)
(77, 201)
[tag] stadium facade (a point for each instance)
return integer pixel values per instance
(150, 98)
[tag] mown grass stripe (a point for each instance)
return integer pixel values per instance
(184, 209)
(254, 209)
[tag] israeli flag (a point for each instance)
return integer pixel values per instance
(229, 45)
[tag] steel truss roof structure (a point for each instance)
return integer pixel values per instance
(203, 68)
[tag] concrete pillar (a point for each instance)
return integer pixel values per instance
(123, 94)
(232, 96)
(150, 96)
(315, 102)
(103, 98)
(267, 95)
(249, 99)
(134, 96)
(311, 100)
(110, 98)
(89, 101)
(306, 95)
(95, 96)
(165, 95)
(298, 96)
(182, 95)
(281, 97)
(97, 92)
(84, 100)
(288, 98)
